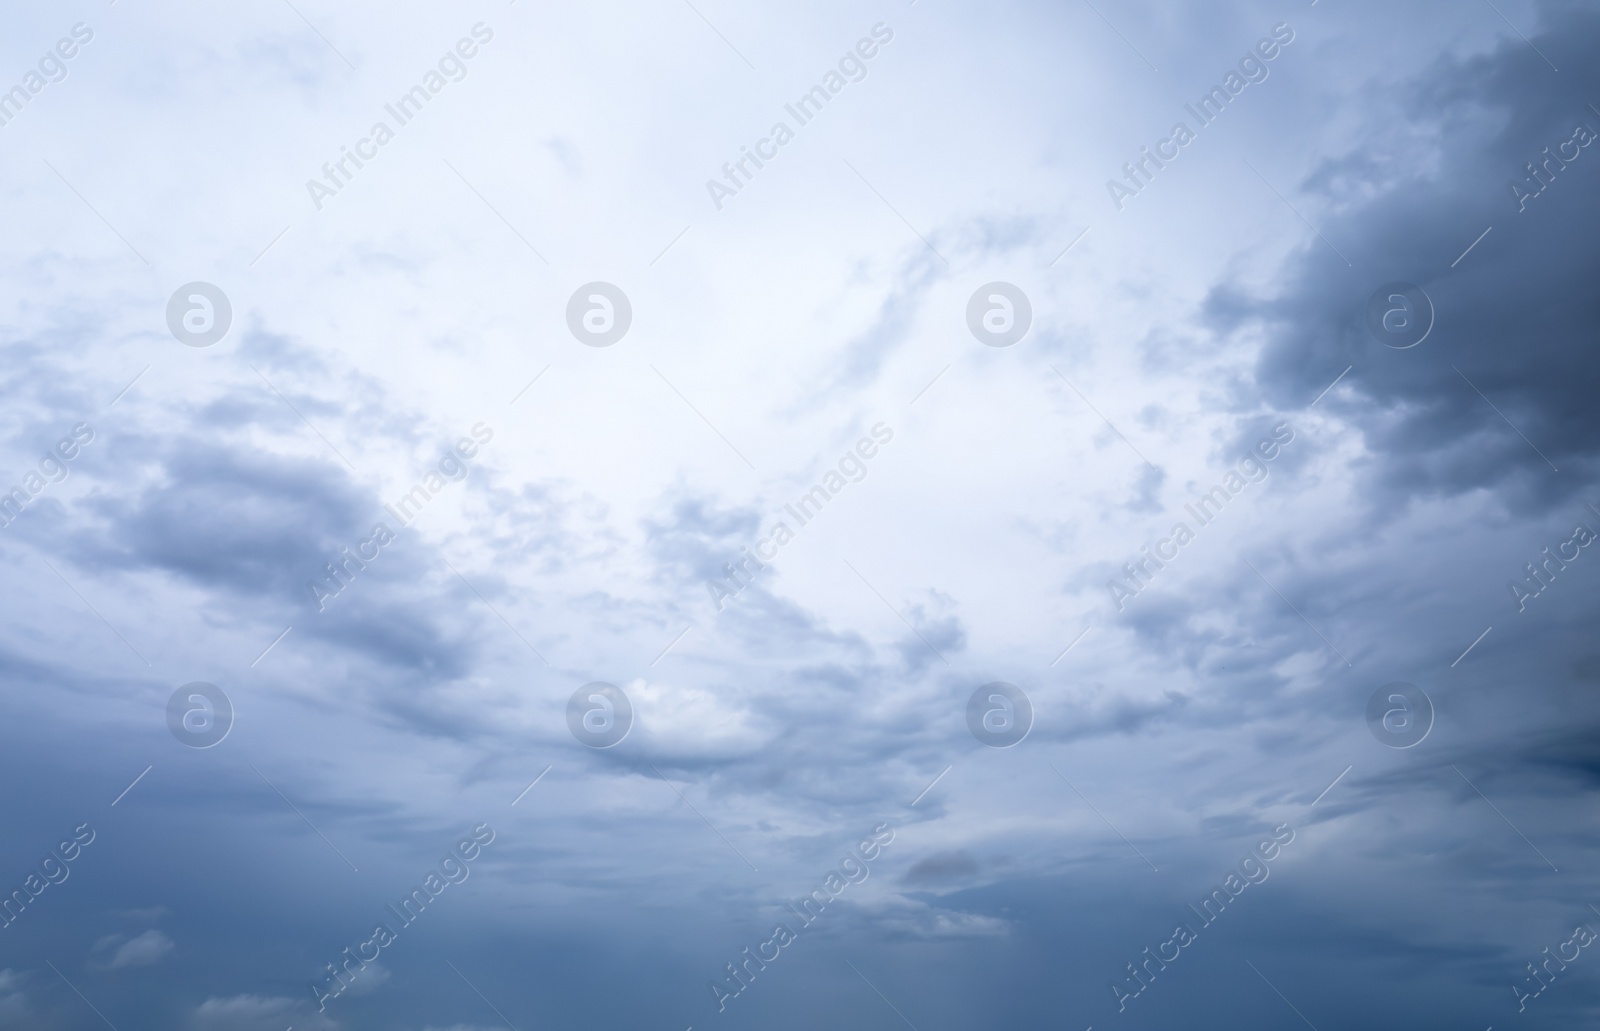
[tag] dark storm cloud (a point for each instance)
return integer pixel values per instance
(1518, 317)
(241, 521)
(258, 528)
(237, 499)
(942, 868)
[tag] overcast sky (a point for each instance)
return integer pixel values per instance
(1254, 462)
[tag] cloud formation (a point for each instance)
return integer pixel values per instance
(617, 518)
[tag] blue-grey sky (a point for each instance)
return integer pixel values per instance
(800, 515)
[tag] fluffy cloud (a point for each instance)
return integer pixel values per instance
(116, 952)
(255, 1013)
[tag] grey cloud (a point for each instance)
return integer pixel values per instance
(942, 868)
(115, 952)
(1513, 317)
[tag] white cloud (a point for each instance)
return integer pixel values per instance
(139, 951)
(15, 1009)
(258, 1013)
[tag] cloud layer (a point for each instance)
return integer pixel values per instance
(296, 613)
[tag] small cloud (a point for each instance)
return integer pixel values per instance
(942, 868)
(914, 920)
(257, 1013)
(14, 1008)
(368, 979)
(139, 951)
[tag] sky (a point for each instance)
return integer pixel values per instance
(1089, 527)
